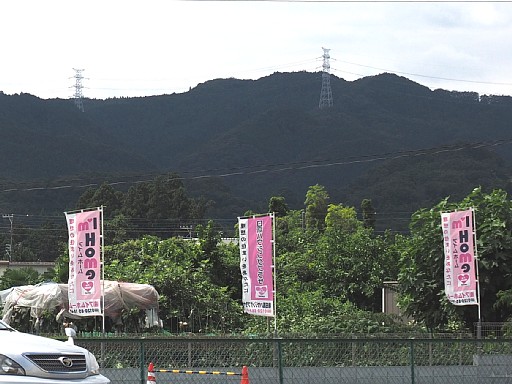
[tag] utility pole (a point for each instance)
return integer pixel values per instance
(326, 93)
(78, 89)
(8, 247)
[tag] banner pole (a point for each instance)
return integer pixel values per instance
(102, 273)
(479, 325)
(102, 243)
(273, 215)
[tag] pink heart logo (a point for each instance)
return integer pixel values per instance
(261, 289)
(87, 285)
(463, 278)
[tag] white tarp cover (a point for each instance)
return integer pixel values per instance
(50, 296)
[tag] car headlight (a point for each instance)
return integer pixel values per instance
(10, 367)
(95, 367)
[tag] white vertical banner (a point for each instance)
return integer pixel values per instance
(85, 280)
(256, 265)
(460, 268)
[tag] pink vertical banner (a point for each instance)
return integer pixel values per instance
(84, 284)
(256, 265)
(460, 280)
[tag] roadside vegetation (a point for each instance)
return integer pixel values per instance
(330, 263)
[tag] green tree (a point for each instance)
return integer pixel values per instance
(154, 208)
(105, 196)
(135, 202)
(277, 205)
(422, 264)
(43, 243)
(19, 277)
(60, 272)
(368, 213)
(167, 198)
(209, 239)
(327, 282)
(187, 292)
(116, 229)
(350, 265)
(315, 314)
(341, 217)
(316, 203)
(155, 203)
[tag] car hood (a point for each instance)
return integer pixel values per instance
(18, 342)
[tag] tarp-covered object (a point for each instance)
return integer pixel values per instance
(49, 296)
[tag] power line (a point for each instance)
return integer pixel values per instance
(425, 76)
(292, 64)
(278, 167)
(154, 226)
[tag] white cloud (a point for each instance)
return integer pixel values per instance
(131, 48)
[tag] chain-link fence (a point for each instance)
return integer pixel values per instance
(306, 361)
(494, 330)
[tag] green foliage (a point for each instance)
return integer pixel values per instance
(19, 277)
(163, 198)
(329, 279)
(43, 243)
(221, 260)
(201, 133)
(422, 263)
(341, 217)
(406, 185)
(117, 228)
(353, 265)
(105, 196)
(311, 313)
(368, 213)
(145, 209)
(277, 205)
(187, 292)
(316, 207)
(60, 272)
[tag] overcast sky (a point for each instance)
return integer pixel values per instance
(152, 47)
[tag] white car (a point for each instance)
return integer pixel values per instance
(30, 359)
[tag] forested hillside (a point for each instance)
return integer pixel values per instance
(239, 142)
(337, 179)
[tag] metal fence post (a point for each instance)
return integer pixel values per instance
(142, 355)
(411, 353)
(479, 338)
(280, 361)
(354, 352)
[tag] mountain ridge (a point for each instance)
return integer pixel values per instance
(268, 134)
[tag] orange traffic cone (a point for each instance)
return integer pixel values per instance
(245, 375)
(151, 374)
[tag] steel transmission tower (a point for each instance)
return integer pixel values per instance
(78, 89)
(326, 93)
